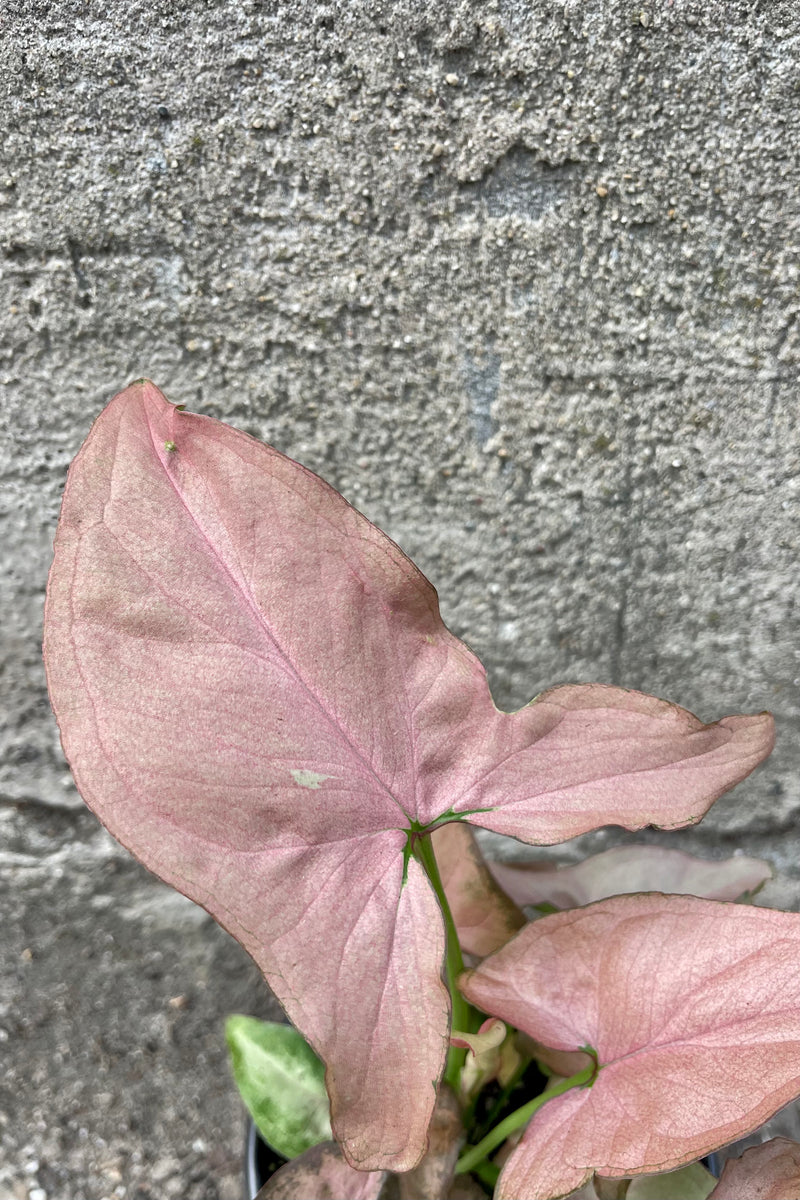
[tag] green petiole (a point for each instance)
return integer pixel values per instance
(454, 964)
(474, 1158)
(488, 1173)
(476, 1154)
(499, 1103)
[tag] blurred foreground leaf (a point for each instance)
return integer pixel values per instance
(690, 1183)
(282, 1083)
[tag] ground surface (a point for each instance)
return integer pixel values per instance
(521, 279)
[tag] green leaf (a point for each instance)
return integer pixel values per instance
(282, 1083)
(690, 1183)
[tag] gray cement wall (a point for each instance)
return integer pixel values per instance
(520, 277)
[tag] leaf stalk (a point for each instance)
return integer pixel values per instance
(454, 963)
(474, 1155)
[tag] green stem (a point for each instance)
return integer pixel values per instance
(500, 1102)
(488, 1173)
(454, 964)
(476, 1154)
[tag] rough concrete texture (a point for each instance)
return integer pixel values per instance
(520, 277)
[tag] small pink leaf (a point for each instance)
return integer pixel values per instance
(324, 1173)
(490, 1036)
(559, 1062)
(258, 697)
(631, 869)
(492, 1055)
(767, 1172)
(484, 915)
(692, 1008)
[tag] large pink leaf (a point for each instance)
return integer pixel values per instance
(258, 697)
(484, 915)
(630, 869)
(692, 1007)
(767, 1172)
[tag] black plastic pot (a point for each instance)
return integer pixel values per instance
(260, 1161)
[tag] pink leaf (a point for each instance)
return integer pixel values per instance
(692, 1008)
(767, 1172)
(630, 869)
(558, 1062)
(492, 1055)
(489, 1037)
(258, 697)
(216, 615)
(484, 915)
(581, 750)
(323, 1173)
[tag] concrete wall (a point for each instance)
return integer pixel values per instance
(520, 277)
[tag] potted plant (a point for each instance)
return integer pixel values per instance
(257, 696)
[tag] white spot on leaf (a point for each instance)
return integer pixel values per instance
(309, 779)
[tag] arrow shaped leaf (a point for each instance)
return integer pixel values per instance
(692, 1006)
(257, 696)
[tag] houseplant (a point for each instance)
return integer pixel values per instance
(257, 696)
